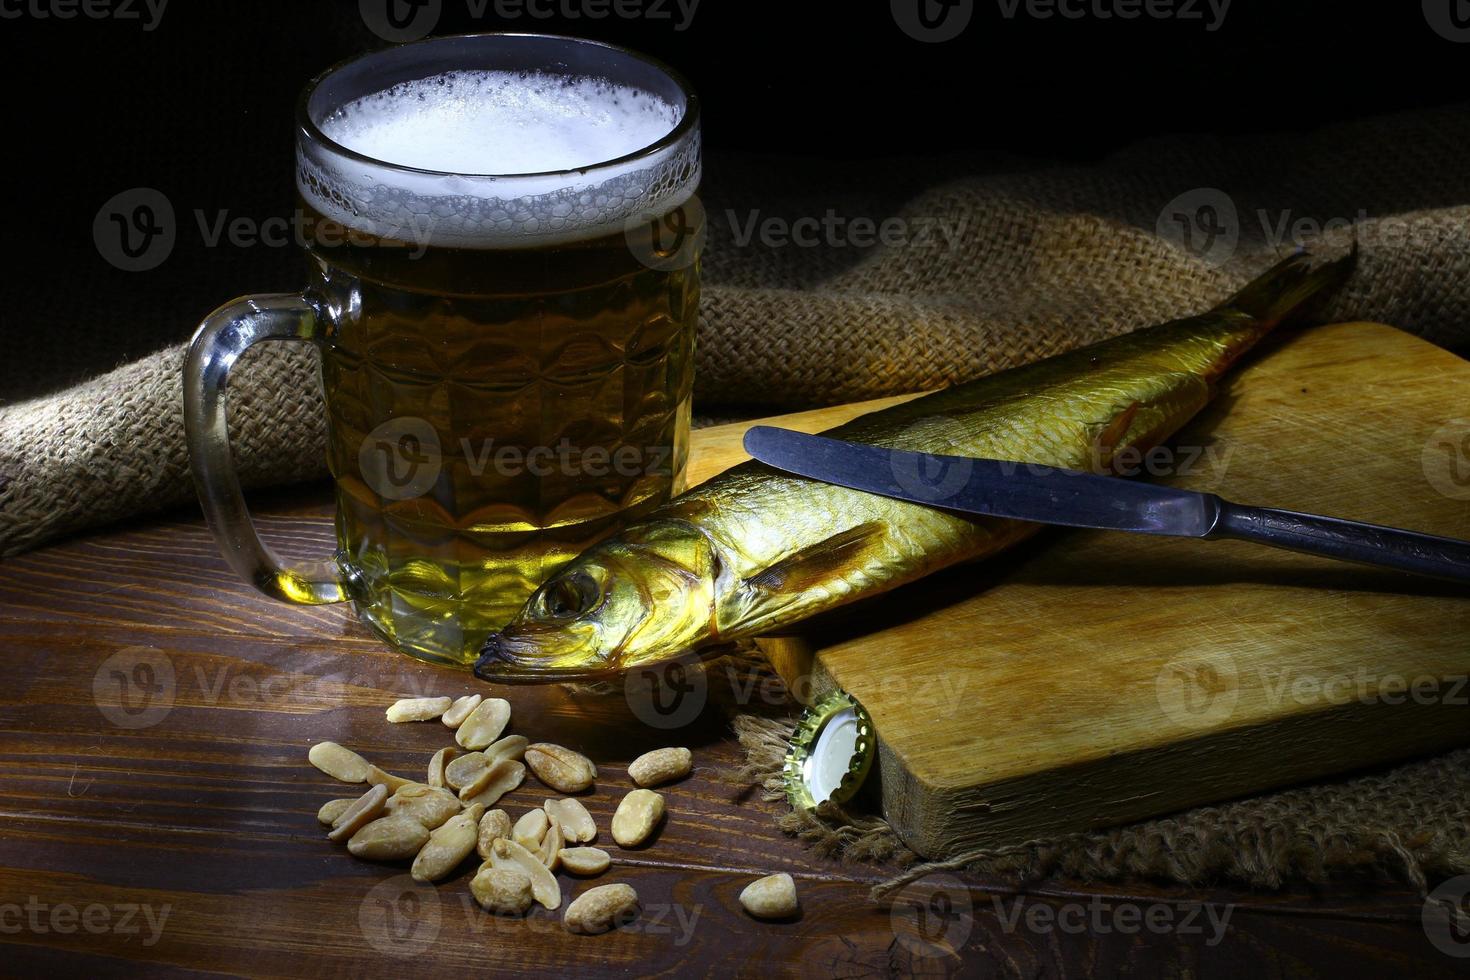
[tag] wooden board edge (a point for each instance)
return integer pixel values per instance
(938, 822)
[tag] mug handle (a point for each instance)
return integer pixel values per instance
(222, 338)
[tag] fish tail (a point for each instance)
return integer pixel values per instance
(1289, 287)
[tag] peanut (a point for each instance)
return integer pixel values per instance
(550, 850)
(446, 848)
(424, 804)
(484, 725)
(499, 779)
(388, 839)
(465, 769)
(339, 763)
(507, 854)
(636, 816)
(530, 829)
(510, 747)
(660, 766)
(417, 709)
(576, 823)
(504, 891)
(475, 811)
(494, 825)
(771, 897)
(366, 808)
(331, 810)
(460, 710)
(585, 860)
(441, 759)
(560, 768)
(377, 777)
(601, 908)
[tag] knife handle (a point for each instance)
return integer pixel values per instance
(1371, 544)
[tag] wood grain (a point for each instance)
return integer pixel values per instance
(188, 797)
(1093, 678)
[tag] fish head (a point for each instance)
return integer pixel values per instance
(640, 597)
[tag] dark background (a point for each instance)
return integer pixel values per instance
(200, 108)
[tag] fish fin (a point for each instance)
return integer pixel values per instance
(802, 570)
(1288, 287)
(1111, 436)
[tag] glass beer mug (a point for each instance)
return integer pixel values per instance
(503, 238)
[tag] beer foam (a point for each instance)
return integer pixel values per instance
(499, 159)
(496, 122)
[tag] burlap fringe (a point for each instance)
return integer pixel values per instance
(1252, 842)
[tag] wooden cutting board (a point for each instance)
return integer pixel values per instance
(1092, 678)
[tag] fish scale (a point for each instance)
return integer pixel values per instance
(754, 549)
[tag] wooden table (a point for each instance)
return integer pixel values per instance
(162, 816)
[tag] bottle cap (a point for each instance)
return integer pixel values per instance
(831, 752)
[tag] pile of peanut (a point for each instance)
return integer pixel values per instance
(438, 823)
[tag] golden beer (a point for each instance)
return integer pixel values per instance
(503, 234)
(556, 383)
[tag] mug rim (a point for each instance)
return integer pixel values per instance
(308, 128)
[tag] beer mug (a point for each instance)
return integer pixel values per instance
(503, 242)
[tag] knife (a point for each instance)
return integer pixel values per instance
(1051, 495)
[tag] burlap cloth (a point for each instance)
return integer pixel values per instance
(990, 264)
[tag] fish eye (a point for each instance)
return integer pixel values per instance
(569, 595)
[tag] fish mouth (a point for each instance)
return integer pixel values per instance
(499, 662)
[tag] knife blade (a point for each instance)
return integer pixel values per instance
(1076, 498)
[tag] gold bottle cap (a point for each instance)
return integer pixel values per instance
(831, 752)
